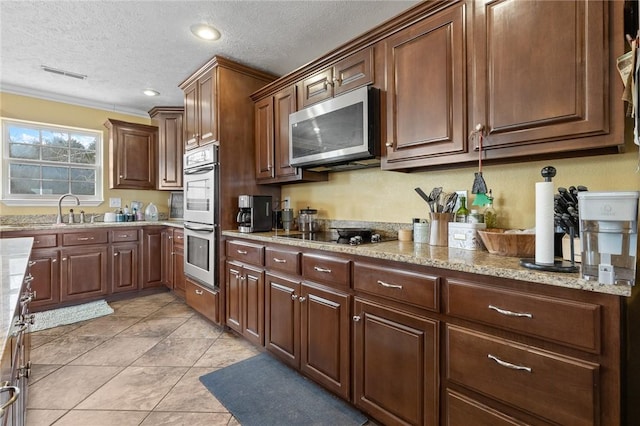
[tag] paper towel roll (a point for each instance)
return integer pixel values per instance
(544, 223)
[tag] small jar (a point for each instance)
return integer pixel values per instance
(475, 217)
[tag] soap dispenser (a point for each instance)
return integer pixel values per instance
(151, 213)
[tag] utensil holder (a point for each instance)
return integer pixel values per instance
(439, 228)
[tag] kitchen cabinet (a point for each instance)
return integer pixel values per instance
(426, 92)
(83, 265)
(170, 146)
(355, 71)
(272, 141)
(172, 242)
(152, 259)
(124, 253)
(200, 110)
(203, 299)
(132, 155)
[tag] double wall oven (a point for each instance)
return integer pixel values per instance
(201, 214)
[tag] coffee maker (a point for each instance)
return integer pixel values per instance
(254, 213)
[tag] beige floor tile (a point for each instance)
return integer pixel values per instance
(224, 352)
(43, 417)
(135, 310)
(163, 297)
(102, 418)
(186, 419)
(199, 328)
(172, 352)
(109, 325)
(60, 330)
(153, 327)
(174, 309)
(235, 422)
(78, 382)
(190, 395)
(65, 349)
(40, 371)
(120, 351)
(135, 388)
(38, 339)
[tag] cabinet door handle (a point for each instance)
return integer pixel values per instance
(275, 259)
(15, 391)
(293, 296)
(508, 364)
(319, 269)
(115, 254)
(389, 144)
(356, 318)
(83, 239)
(510, 313)
(302, 299)
(207, 135)
(383, 284)
(199, 292)
(123, 236)
(64, 258)
(31, 263)
(241, 251)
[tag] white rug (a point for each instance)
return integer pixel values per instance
(70, 315)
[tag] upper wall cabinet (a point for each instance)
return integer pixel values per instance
(200, 123)
(348, 74)
(132, 155)
(544, 76)
(170, 147)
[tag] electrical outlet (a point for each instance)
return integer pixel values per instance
(286, 203)
(115, 202)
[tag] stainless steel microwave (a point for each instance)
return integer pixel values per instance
(336, 131)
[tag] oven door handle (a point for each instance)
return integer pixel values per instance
(199, 171)
(198, 229)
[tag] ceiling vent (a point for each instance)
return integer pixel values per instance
(63, 72)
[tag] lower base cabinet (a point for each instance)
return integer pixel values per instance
(83, 272)
(395, 365)
(202, 299)
(125, 271)
(46, 283)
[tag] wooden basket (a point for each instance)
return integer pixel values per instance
(508, 244)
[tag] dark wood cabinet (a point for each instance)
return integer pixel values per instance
(152, 259)
(46, 278)
(272, 141)
(170, 146)
(204, 300)
(282, 318)
(177, 264)
(396, 364)
(200, 109)
(132, 155)
(125, 269)
(83, 272)
(245, 301)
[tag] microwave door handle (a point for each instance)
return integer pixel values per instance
(199, 229)
(198, 171)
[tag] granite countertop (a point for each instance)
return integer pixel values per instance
(84, 226)
(472, 261)
(14, 255)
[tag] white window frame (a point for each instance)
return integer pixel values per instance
(47, 200)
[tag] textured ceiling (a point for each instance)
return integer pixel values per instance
(126, 46)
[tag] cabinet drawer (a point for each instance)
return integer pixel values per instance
(178, 237)
(566, 322)
(462, 411)
(82, 238)
(561, 389)
(325, 269)
(202, 299)
(124, 235)
(246, 252)
(45, 240)
(404, 286)
(282, 260)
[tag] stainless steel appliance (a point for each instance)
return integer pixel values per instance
(351, 236)
(254, 213)
(337, 131)
(201, 230)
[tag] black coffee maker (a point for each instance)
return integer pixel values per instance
(254, 213)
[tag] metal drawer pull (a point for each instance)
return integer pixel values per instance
(241, 251)
(319, 269)
(14, 397)
(294, 297)
(275, 259)
(199, 292)
(123, 236)
(85, 239)
(508, 364)
(383, 284)
(510, 313)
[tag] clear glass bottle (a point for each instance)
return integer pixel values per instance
(490, 215)
(462, 212)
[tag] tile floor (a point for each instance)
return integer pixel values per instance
(137, 366)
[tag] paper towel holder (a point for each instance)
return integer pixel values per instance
(547, 173)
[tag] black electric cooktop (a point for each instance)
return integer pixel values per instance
(332, 237)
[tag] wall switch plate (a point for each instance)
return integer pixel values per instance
(115, 202)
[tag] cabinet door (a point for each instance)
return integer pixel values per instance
(152, 258)
(133, 156)
(124, 267)
(316, 88)
(166, 248)
(253, 309)
(353, 72)
(395, 365)
(191, 114)
(83, 272)
(233, 296)
(178, 272)
(170, 149)
(533, 100)
(282, 318)
(46, 278)
(284, 103)
(325, 326)
(426, 99)
(207, 108)
(264, 138)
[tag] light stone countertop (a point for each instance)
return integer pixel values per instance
(85, 226)
(14, 257)
(471, 261)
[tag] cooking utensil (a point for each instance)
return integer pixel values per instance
(479, 185)
(450, 203)
(425, 197)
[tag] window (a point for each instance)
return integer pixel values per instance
(42, 161)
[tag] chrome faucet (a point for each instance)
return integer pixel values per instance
(59, 219)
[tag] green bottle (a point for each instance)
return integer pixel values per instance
(462, 212)
(490, 215)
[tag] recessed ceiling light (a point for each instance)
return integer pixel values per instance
(150, 92)
(205, 32)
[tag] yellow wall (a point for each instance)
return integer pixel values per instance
(32, 109)
(384, 196)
